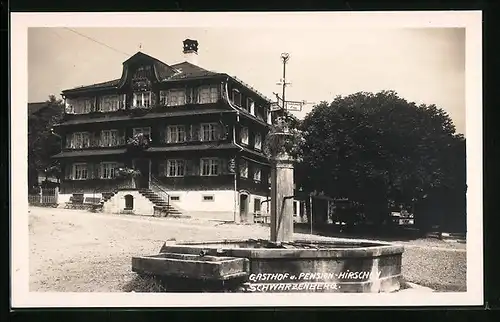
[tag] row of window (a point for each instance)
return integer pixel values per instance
(173, 134)
(173, 168)
(172, 97)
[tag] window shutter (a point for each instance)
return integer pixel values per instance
(91, 171)
(67, 171)
(123, 101)
(161, 132)
(196, 95)
(98, 171)
(153, 98)
(195, 132)
(162, 168)
(189, 167)
(167, 136)
(68, 140)
(196, 167)
(122, 136)
(223, 165)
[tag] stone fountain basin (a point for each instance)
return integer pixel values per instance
(298, 266)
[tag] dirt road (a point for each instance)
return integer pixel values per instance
(79, 251)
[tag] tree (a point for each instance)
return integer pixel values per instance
(379, 148)
(42, 144)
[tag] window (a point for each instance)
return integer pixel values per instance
(81, 140)
(257, 174)
(143, 130)
(258, 141)
(236, 97)
(250, 106)
(176, 97)
(108, 170)
(109, 138)
(256, 205)
(243, 169)
(163, 98)
(209, 167)
(208, 94)
(80, 171)
(209, 132)
(244, 135)
(79, 106)
(110, 103)
(175, 168)
(208, 198)
(176, 134)
(175, 198)
(142, 99)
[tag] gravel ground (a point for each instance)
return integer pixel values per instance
(79, 251)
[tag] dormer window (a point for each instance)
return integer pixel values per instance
(250, 106)
(236, 97)
(244, 135)
(142, 100)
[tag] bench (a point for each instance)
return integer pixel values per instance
(260, 218)
(77, 201)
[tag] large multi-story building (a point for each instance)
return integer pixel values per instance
(206, 133)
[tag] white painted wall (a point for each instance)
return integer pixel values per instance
(192, 203)
(116, 205)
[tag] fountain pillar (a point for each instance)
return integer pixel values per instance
(281, 201)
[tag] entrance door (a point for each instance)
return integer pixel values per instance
(243, 206)
(142, 181)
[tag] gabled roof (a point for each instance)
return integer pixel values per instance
(186, 70)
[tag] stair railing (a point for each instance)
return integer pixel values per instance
(156, 186)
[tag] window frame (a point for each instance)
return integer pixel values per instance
(178, 164)
(104, 169)
(134, 99)
(82, 135)
(74, 171)
(255, 145)
(243, 169)
(212, 163)
(213, 127)
(212, 94)
(111, 131)
(236, 93)
(246, 130)
(257, 170)
(113, 98)
(178, 130)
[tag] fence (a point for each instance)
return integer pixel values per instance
(46, 197)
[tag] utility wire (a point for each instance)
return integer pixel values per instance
(96, 41)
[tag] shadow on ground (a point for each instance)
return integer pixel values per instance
(362, 232)
(153, 284)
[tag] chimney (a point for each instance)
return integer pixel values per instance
(191, 51)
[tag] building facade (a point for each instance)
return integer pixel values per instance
(205, 129)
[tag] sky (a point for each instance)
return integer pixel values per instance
(423, 65)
